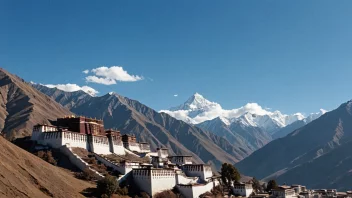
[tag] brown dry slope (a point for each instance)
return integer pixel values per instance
(25, 175)
(22, 106)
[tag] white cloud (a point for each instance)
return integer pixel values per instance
(73, 87)
(175, 95)
(104, 81)
(86, 71)
(110, 75)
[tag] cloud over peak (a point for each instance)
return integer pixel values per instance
(74, 87)
(111, 75)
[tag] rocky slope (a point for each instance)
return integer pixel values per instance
(246, 138)
(159, 129)
(22, 106)
(25, 175)
(305, 150)
(332, 170)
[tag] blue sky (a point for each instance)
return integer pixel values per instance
(294, 56)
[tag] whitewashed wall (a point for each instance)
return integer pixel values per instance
(52, 139)
(75, 140)
(162, 181)
(101, 145)
(182, 179)
(119, 148)
(242, 191)
(142, 178)
(194, 191)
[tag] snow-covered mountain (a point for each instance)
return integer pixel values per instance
(197, 109)
(298, 124)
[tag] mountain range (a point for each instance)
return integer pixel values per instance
(249, 127)
(158, 129)
(316, 155)
(312, 150)
(197, 109)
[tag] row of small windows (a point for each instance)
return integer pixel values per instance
(75, 136)
(100, 140)
(158, 173)
(193, 168)
(52, 135)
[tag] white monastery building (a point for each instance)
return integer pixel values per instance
(163, 172)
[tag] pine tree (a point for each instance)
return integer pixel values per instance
(271, 185)
(256, 185)
(229, 174)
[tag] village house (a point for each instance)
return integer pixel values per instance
(242, 189)
(283, 192)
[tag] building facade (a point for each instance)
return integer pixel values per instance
(242, 189)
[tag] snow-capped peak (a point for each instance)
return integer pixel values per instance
(195, 102)
(197, 109)
(314, 116)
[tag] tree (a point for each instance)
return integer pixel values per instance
(256, 185)
(229, 174)
(107, 186)
(271, 185)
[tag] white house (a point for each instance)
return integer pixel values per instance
(202, 171)
(181, 159)
(284, 192)
(242, 189)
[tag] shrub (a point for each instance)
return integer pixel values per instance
(87, 174)
(122, 191)
(167, 193)
(107, 186)
(47, 156)
(217, 190)
(206, 195)
(91, 161)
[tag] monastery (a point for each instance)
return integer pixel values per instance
(163, 172)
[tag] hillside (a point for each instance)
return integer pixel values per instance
(158, 129)
(25, 175)
(244, 137)
(303, 150)
(22, 106)
(332, 170)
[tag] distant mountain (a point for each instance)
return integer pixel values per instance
(298, 124)
(22, 106)
(159, 129)
(197, 109)
(66, 99)
(245, 137)
(316, 148)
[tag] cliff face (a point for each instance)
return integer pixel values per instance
(22, 106)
